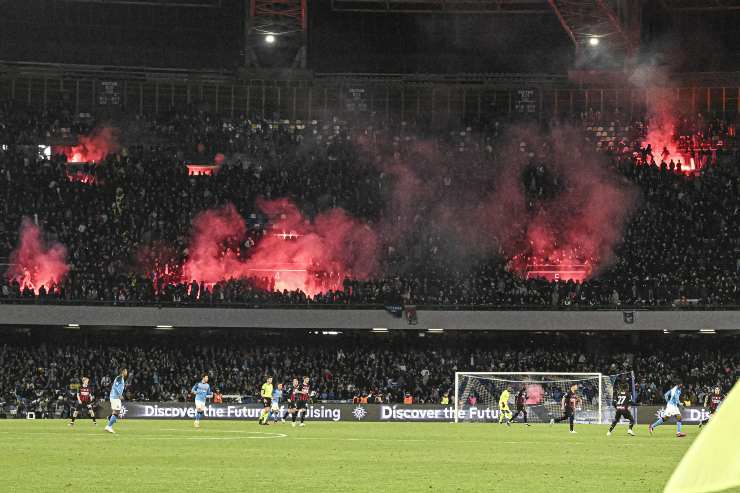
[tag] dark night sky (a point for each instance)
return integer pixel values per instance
(131, 35)
(692, 41)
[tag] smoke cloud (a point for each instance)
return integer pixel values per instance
(92, 148)
(571, 213)
(214, 246)
(530, 197)
(542, 198)
(662, 115)
(35, 263)
(296, 253)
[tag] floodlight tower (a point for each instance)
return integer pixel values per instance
(601, 27)
(276, 24)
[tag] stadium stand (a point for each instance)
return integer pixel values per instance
(678, 248)
(345, 367)
(423, 212)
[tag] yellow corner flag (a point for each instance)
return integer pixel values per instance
(712, 463)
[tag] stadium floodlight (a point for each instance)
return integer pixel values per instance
(164, 327)
(330, 332)
(593, 41)
(435, 331)
(380, 329)
(707, 331)
(666, 331)
(543, 394)
(270, 39)
(73, 326)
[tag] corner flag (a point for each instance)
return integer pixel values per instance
(712, 463)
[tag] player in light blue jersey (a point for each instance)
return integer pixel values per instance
(116, 396)
(202, 391)
(277, 396)
(673, 400)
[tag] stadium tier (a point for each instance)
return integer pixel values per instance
(346, 212)
(43, 369)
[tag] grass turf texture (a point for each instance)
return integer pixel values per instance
(172, 456)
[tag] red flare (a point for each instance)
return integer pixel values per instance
(34, 263)
(91, 148)
(310, 256)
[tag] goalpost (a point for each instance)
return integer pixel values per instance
(477, 395)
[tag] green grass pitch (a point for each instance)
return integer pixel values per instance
(233, 456)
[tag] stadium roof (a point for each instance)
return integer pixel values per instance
(444, 6)
(705, 5)
(583, 20)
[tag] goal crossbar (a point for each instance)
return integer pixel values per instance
(525, 373)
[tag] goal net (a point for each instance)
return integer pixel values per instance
(477, 395)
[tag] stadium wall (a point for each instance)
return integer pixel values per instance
(90, 90)
(351, 318)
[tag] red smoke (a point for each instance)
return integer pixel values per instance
(569, 233)
(34, 263)
(91, 148)
(455, 205)
(661, 114)
(661, 130)
(295, 254)
(213, 250)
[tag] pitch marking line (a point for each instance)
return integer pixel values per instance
(400, 440)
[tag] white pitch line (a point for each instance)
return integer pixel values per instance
(400, 440)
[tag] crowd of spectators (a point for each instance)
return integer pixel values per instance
(30, 125)
(679, 246)
(41, 373)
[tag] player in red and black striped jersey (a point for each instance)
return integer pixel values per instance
(301, 395)
(712, 403)
(568, 405)
(521, 405)
(622, 402)
(85, 402)
(290, 392)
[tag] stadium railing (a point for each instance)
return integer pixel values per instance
(189, 304)
(317, 305)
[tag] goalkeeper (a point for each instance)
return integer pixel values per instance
(504, 413)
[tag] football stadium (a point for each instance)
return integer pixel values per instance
(370, 245)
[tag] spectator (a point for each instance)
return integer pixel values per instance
(678, 248)
(237, 364)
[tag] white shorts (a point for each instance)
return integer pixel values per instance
(200, 405)
(115, 404)
(275, 406)
(671, 410)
